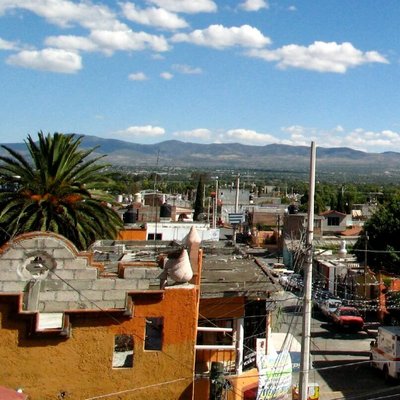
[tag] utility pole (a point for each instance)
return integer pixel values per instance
(307, 305)
(365, 264)
(236, 206)
(278, 236)
(217, 380)
(215, 205)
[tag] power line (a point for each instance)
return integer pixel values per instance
(104, 396)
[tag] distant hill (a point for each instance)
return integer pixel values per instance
(239, 156)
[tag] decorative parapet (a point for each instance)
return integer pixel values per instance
(52, 279)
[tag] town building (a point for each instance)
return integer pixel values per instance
(88, 325)
(236, 301)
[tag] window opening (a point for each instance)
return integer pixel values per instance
(154, 333)
(215, 336)
(123, 351)
(333, 221)
(158, 236)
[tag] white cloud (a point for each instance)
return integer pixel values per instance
(166, 75)
(292, 8)
(137, 76)
(53, 60)
(253, 5)
(157, 17)
(220, 37)
(7, 45)
(186, 6)
(133, 132)
(187, 69)
(373, 141)
(128, 40)
(110, 41)
(319, 56)
(359, 138)
(72, 43)
(200, 133)
(247, 136)
(65, 13)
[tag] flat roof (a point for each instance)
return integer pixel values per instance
(234, 276)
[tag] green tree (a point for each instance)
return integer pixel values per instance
(198, 204)
(59, 189)
(382, 240)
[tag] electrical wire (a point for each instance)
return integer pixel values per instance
(104, 396)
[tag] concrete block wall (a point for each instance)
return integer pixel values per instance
(69, 282)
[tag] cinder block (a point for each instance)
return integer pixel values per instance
(53, 306)
(16, 286)
(105, 305)
(79, 305)
(114, 295)
(89, 273)
(134, 273)
(30, 244)
(153, 273)
(52, 284)
(143, 284)
(9, 276)
(62, 274)
(77, 263)
(50, 243)
(14, 254)
(91, 295)
(81, 284)
(126, 284)
(47, 296)
(67, 296)
(120, 304)
(9, 265)
(103, 284)
(62, 253)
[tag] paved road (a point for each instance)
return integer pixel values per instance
(340, 360)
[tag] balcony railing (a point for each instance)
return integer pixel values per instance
(224, 353)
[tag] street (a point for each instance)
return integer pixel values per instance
(340, 360)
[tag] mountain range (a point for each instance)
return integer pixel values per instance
(238, 156)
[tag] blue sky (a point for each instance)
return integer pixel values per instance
(247, 71)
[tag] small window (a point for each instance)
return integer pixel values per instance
(333, 221)
(158, 236)
(154, 333)
(123, 351)
(222, 337)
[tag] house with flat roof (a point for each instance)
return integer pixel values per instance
(99, 323)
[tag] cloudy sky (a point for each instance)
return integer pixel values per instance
(247, 71)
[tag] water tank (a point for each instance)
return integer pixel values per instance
(129, 216)
(293, 209)
(165, 211)
(119, 198)
(137, 198)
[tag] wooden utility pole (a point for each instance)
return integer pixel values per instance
(217, 380)
(236, 206)
(307, 300)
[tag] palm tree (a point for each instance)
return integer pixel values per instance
(57, 190)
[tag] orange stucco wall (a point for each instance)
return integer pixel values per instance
(81, 366)
(225, 307)
(132, 234)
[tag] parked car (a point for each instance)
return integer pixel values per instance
(329, 306)
(348, 318)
